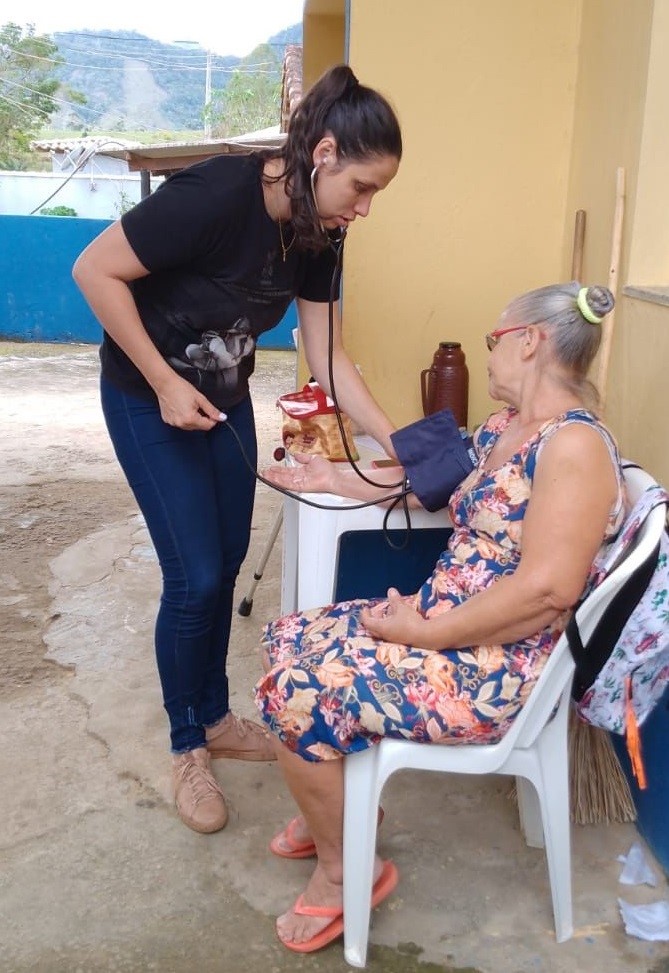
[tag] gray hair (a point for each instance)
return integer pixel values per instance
(574, 339)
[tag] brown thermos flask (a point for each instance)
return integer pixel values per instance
(445, 384)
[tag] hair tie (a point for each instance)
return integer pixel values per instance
(585, 309)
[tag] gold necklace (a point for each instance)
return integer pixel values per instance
(284, 248)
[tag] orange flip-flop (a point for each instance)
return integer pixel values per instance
(286, 845)
(384, 885)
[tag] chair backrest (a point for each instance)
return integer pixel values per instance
(625, 660)
(554, 683)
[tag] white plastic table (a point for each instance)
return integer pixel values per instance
(311, 543)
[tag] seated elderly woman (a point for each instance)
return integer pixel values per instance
(455, 662)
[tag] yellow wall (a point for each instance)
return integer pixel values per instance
(324, 37)
(649, 245)
(476, 214)
(610, 93)
(620, 119)
(638, 397)
(514, 115)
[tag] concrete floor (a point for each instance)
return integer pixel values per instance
(98, 874)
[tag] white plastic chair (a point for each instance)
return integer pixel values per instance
(534, 750)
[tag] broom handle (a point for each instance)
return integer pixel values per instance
(577, 252)
(605, 350)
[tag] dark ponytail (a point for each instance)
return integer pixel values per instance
(363, 125)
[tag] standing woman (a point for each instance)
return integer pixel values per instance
(183, 285)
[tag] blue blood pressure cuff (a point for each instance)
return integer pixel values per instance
(436, 457)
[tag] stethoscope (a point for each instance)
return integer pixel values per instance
(394, 499)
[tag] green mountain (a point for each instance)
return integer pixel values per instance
(134, 83)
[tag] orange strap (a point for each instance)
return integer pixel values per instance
(633, 738)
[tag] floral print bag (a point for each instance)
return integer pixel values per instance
(623, 670)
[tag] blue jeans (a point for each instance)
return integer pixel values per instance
(196, 494)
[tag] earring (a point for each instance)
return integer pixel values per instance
(312, 179)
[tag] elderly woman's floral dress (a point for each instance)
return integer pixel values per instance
(334, 689)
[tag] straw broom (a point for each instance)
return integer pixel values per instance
(599, 792)
(598, 789)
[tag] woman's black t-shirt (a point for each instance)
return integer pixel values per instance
(218, 277)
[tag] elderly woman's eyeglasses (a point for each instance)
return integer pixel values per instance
(493, 337)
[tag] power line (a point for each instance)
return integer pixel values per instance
(22, 107)
(209, 68)
(255, 68)
(142, 39)
(42, 94)
(63, 62)
(25, 87)
(174, 61)
(129, 37)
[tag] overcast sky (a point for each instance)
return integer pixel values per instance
(222, 26)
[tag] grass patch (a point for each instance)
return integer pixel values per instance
(43, 349)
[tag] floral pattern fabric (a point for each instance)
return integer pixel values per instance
(334, 689)
(641, 653)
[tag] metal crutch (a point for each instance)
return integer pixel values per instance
(246, 603)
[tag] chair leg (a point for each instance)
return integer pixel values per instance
(553, 790)
(360, 825)
(530, 813)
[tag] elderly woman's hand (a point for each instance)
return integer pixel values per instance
(312, 474)
(396, 621)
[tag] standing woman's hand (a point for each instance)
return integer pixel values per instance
(184, 407)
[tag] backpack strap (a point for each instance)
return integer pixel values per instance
(590, 659)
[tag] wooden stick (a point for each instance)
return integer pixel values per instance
(577, 252)
(616, 240)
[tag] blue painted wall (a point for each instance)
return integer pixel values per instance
(39, 301)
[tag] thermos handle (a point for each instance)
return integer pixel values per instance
(423, 389)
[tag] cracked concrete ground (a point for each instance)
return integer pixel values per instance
(98, 874)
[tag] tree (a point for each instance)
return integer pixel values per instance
(28, 63)
(251, 100)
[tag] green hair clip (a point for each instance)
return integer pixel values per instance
(585, 310)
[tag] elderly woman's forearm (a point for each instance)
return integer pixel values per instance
(499, 615)
(388, 482)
